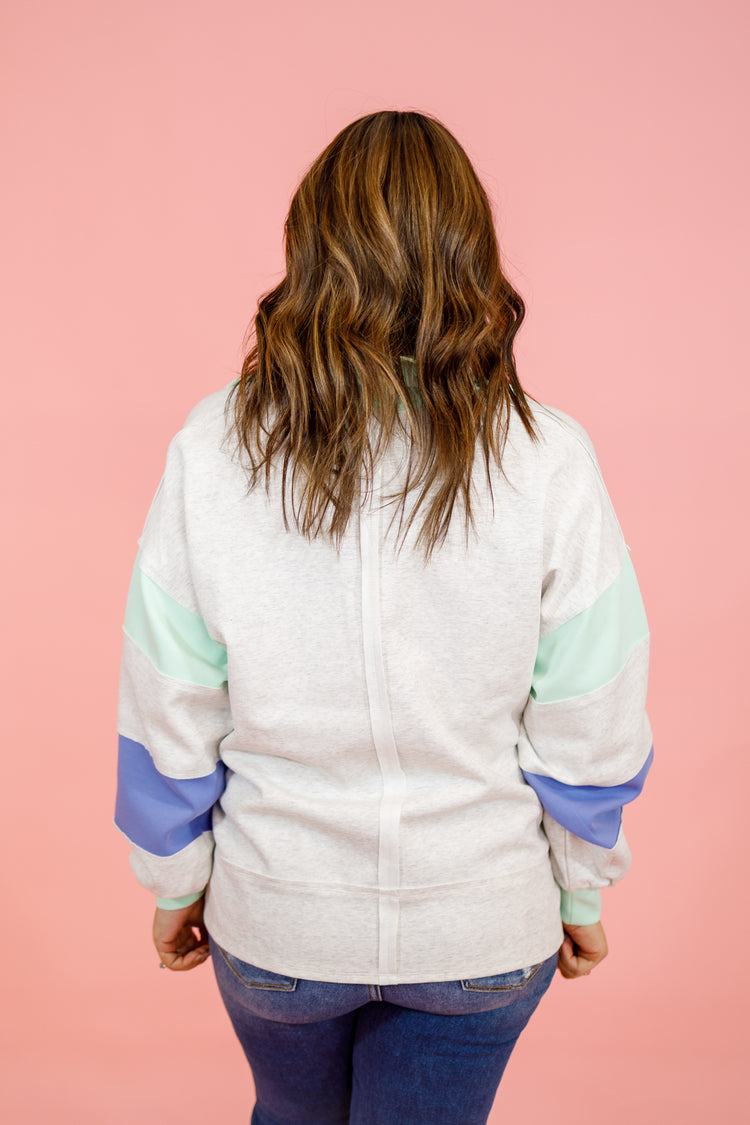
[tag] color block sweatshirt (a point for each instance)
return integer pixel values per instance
(381, 770)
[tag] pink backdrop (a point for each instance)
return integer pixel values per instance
(151, 148)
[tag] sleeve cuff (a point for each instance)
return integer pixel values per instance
(177, 903)
(580, 908)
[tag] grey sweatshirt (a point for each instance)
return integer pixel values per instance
(379, 770)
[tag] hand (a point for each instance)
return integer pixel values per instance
(582, 949)
(178, 945)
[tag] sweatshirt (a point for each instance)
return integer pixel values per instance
(381, 770)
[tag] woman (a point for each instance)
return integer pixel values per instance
(385, 662)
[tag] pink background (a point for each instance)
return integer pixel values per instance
(151, 148)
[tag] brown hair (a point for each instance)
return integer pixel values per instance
(391, 252)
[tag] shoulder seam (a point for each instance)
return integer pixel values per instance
(592, 458)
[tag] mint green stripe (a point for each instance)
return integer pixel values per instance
(580, 908)
(178, 903)
(588, 651)
(409, 374)
(175, 640)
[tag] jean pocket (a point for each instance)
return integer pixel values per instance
(253, 977)
(503, 982)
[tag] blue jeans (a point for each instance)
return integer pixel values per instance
(360, 1054)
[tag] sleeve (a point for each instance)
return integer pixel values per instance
(586, 744)
(173, 710)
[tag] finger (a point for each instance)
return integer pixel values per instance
(172, 957)
(180, 963)
(567, 949)
(183, 942)
(562, 968)
(566, 963)
(174, 953)
(572, 965)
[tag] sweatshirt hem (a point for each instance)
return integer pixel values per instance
(330, 932)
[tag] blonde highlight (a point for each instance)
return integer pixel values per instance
(391, 252)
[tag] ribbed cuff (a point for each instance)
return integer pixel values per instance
(580, 908)
(177, 903)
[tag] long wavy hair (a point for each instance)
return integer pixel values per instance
(394, 314)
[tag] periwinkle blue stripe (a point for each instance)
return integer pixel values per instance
(162, 814)
(591, 649)
(593, 812)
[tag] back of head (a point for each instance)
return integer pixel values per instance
(391, 252)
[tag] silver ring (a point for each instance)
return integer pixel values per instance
(162, 965)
